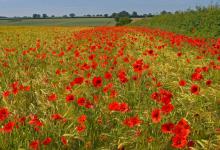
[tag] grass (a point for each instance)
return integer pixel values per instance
(59, 22)
(40, 65)
(202, 22)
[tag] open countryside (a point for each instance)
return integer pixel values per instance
(119, 81)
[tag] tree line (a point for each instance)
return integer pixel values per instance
(121, 14)
(134, 14)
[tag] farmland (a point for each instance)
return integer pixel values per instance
(59, 22)
(108, 88)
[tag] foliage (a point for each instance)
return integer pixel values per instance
(72, 15)
(203, 22)
(36, 16)
(122, 21)
(44, 16)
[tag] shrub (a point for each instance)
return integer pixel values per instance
(122, 21)
(202, 22)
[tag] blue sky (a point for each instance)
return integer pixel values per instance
(80, 7)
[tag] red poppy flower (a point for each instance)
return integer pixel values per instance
(132, 121)
(21, 87)
(92, 56)
(165, 99)
(167, 127)
(179, 54)
(151, 52)
(205, 69)
(97, 81)
(14, 84)
(122, 77)
(81, 101)
(35, 122)
(4, 113)
(56, 117)
(9, 127)
(156, 96)
(70, 98)
(179, 130)
(188, 60)
(124, 107)
(208, 82)
(195, 89)
(6, 93)
(198, 70)
(113, 93)
(47, 141)
(89, 105)
(114, 106)
(108, 75)
(81, 119)
(138, 66)
(64, 140)
(165, 93)
(196, 76)
(183, 123)
(94, 65)
(34, 145)
(78, 80)
(22, 120)
(155, 116)
(27, 88)
(134, 78)
(80, 128)
(68, 88)
(167, 108)
(182, 82)
(179, 142)
(58, 72)
(15, 91)
(52, 97)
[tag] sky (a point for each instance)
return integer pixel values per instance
(11, 8)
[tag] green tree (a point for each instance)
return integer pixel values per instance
(65, 16)
(134, 14)
(36, 16)
(123, 14)
(72, 15)
(44, 15)
(114, 15)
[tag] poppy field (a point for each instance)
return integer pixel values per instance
(108, 88)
